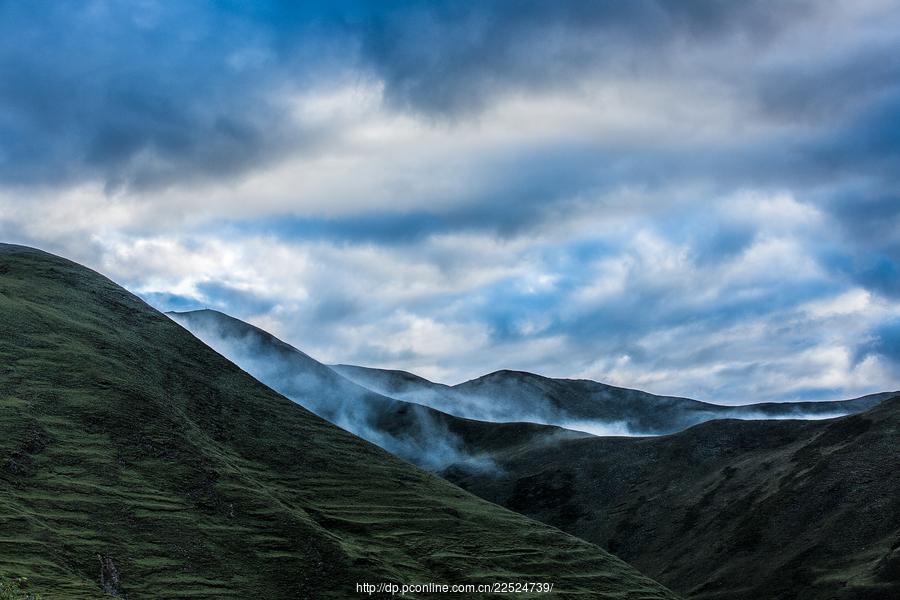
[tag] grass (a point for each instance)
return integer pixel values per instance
(729, 510)
(16, 589)
(133, 457)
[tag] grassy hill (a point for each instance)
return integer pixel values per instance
(716, 494)
(136, 460)
(573, 403)
(737, 510)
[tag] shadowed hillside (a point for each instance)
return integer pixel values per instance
(663, 489)
(729, 509)
(580, 403)
(136, 460)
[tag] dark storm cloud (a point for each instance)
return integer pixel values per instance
(142, 93)
(884, 341)
(816, 90)
(159, 92)
(448, 57)
(860, 169)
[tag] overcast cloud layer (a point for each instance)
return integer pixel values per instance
(695, 198)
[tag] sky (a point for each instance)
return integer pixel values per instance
(694, 198)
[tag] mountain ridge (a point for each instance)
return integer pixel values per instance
(640, 496)
(569, 403)
(135, 459)
(426, 436)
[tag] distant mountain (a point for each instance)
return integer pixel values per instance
(136, 461)
(581, 404)
(418, 433)
(736, 510)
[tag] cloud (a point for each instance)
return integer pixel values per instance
(448, 58)
(646, 310)
(693, 197)
(143, 95)
(883, 342)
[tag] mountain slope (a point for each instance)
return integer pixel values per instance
(135, 459)
(729, 509)
(418, 433)
(580, 403)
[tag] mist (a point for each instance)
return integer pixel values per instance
(513, 401)
(412, 432)
(581, 405)
(437, 427)
(755, 415)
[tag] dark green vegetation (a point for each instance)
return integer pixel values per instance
(16, 589)
(806, 510)
(136, 460)
(520, 396)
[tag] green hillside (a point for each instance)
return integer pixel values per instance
(729, 510)
(823, 525)
(134, 458)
